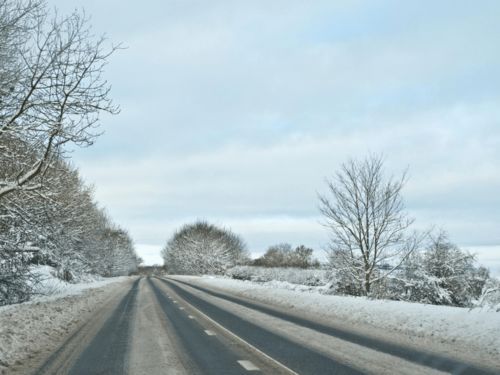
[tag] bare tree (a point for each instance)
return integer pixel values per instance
(364, 211)
(53, 91)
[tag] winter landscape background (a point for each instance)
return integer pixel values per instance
(274, 186)
(250, 106)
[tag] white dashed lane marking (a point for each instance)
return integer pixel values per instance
(228, 332)
(181, 308)
(247, 365)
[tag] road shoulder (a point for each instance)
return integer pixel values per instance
(30, 332)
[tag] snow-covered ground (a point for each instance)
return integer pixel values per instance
(29, 327)
(49, 287)
(476, 329)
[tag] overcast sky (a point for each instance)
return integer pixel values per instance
(236, 111)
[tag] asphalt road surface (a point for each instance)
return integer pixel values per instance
(164, 326)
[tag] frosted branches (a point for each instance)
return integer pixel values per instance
(365, 214)
(53, 91)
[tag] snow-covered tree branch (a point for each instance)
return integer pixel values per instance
(53, 91)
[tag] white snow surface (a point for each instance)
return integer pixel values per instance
(467, 328)
(50, 287)
(29, 327)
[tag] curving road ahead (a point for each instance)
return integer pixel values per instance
(165, 326)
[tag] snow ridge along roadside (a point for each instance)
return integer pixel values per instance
(39, 326)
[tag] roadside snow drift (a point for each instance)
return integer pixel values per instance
(29, 327)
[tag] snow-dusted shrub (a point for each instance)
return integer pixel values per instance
(202, 248)
(490, 295)
(14, 284)
(241, 272)
(422, 288)
(300, 276)
(451, 273)
(440, 274)
(284, 256)
(345, 282)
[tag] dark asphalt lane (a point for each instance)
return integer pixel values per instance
(296, 357)
(428, 359)
(204, 354)
(107, 352)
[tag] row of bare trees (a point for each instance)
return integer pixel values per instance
(52, 94)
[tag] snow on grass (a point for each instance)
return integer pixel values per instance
(473, 328)
(49, 287)
(30, 327)
(299, 276)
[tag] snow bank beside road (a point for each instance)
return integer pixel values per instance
(43, 322)
(49, 287)
(469, 329)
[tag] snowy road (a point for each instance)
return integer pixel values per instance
(166, 326)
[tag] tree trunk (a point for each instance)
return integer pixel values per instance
(367, 283)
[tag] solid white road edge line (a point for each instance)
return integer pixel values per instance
(234, 335)
(247, 365)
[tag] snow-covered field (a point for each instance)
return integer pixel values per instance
(29, 327)
(476, 329)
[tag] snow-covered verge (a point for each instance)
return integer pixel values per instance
(49, 286)
(29, 327)
(466, 328)
(297, 276)
(478, 291)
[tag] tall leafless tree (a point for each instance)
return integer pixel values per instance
(364, 212)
